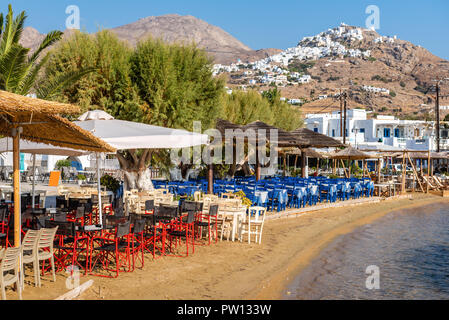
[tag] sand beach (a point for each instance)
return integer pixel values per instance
(233, 270)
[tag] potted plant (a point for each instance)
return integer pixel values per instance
(81, 179)
(245, 201)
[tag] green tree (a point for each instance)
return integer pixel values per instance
(242, 107)
(19, 70)
(109, 88)
(272, 95)
(176, 84)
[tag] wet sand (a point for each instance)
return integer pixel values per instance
(236, 271)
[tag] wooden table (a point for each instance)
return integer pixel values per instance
(379, 186)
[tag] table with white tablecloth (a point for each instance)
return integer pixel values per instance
(260, 197)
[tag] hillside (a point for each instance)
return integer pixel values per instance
(356, 59)
(386, 75)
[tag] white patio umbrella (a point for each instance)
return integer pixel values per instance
(33, 148)
(126, 135)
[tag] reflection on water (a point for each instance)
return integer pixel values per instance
(411, 249)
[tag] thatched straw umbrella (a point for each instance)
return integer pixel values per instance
(350, 154)
(307, 153)
(284, 138)
(316, 140)
(38, 121)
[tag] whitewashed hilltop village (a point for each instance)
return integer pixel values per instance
(334, 43)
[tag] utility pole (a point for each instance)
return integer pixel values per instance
(437, 113)
(341, 114)
(345, 117)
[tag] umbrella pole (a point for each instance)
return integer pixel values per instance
(33, 200)
(100, 209)
(210, 176)
(16, 179)
(349, 169)
(285, 165)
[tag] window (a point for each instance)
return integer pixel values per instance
(397, 133)
(333, 132)
(362, 130)
(315, 129)
(387, 132)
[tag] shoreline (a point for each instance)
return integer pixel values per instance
(277, 286)
(233, 270)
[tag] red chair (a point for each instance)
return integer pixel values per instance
(72, 247)
(78, 217)
(159, 226)
(112, 251)
(149, 207)
(4, 224)
(209, 221)
(138, 243)
(183, 229)
(153, 233)
(106, 205)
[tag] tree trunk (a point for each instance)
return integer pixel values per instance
(135, 168)
(140, 180)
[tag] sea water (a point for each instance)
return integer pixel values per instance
(405, 253)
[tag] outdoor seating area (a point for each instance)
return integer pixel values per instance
(279, 193)
(69, 235)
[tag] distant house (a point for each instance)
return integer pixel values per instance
(382, 130)
(294, 101)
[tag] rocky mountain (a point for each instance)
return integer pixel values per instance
(31, 38)
(223, 47)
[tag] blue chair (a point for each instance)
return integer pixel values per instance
(313, 195)
(357, 191)
(277, 199)
(300, 197)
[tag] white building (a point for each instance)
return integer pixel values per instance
(383, 130)
(294, 101)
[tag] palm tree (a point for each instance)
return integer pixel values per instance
(19, 70)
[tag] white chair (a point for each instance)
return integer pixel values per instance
(45, 250)
(10, 262)
(253, 224)
(29, 253)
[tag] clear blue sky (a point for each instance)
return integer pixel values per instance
(257, 23)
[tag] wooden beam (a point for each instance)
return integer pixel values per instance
(344, 167)
(379, 164)
(72, 294)
(428, 171)
(403, 173)
(303, 164)
(16, 182)
(415, 174)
